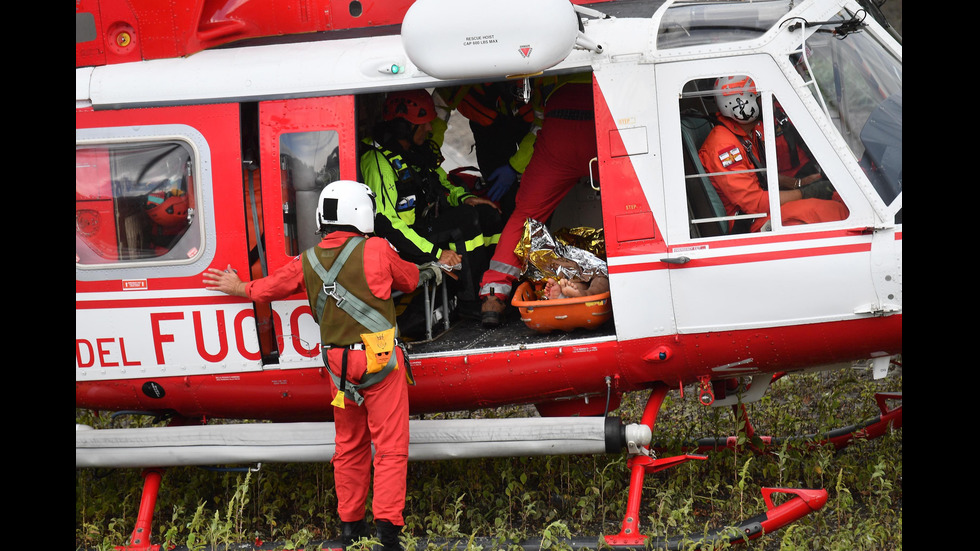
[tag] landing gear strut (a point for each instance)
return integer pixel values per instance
(140, 540)
(803, 502)
(639, 466)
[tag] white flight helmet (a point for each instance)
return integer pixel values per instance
(346, 203)
(737, 98)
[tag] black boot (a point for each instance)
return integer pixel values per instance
(492, 311)
(388, 535)
(353, 531)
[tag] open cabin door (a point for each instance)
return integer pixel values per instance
(304, 145)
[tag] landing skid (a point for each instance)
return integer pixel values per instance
(776, 517)
(642, 461)
(889, 418)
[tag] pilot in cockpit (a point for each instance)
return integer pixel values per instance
(733, 153)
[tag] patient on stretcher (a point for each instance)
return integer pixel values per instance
(560, 269)
(569, 288)
(555, 268)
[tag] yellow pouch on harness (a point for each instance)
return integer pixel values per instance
(378, 348)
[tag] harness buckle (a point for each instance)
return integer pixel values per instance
(331, 291)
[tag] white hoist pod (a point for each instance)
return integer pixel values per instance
(488, 38)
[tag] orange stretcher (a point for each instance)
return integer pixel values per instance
(563, 314)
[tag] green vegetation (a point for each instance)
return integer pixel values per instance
(546, 499)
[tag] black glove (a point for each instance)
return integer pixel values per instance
(821, 189)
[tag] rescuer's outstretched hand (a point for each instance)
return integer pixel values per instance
(226, 281)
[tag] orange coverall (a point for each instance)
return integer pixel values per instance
(741, 193)
(383, 417)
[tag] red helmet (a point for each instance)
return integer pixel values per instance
(415, 106)
(168, 209)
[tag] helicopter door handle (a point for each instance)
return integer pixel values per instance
(676, 260)
(591, 179)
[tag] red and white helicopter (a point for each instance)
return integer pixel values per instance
(204, 131)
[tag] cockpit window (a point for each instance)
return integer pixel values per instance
(859, 82)
(688, 24)
(135, 202)
(745, 161)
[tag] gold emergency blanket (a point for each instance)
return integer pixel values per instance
(574, 254)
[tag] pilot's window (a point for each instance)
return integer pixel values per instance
(859, 83)
(724, 125)
(135, 202)
(697, 23)
(308, 161)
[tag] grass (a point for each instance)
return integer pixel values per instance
(546, 499)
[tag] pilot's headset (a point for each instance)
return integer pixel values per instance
(405, 109)
(738, 98)
(346, 204)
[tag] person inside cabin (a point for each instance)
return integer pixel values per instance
(504, 127)
(563, 149)
(424, 216)
(167, 206)
(369, 374)
(734, 150)
(795, 167)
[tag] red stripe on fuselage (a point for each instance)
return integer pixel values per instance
(741, 259)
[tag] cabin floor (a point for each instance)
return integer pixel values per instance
(468, 334)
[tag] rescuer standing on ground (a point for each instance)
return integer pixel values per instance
(348, 278)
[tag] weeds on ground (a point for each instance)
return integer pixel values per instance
(548, 499)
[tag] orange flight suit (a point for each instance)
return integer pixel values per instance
(383, 416)
(725, 150)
